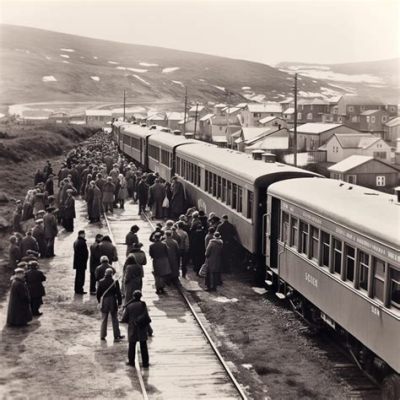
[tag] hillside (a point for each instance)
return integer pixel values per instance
(373, 78)
(39, 65)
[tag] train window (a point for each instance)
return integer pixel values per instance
(219, 187)
(294, 236)
(214, 185)
(325, 238)
(314, 248)
(206, 182)
(223, 194)
(394, 287)
(240, 199)
(379, 278)
(285, 227)
(127, 140)
(135, 143)
(350, 262)
(229, 193)
(198, 176)
(363, 260)
(303, 237)
(234, 196)
(337, 256)
(154, 152)
(250, 200)
(165, 157)
(209, 182)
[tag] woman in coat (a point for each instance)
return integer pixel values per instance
(34, 279)
(214, 262)
(138, 319)
(19, 305)
(161, 269)
(95, 208)
(133, 277)
(123, 191)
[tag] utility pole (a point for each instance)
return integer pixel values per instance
(185, 111)
(295, 122)
(195, 120)
(124, 104)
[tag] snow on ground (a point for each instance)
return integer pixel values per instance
(95, 78)
(68, 50)
(2, 115)
(49, 78)
(304, 67)
(48, 58)
(169, 69)
(346, 88)
(95, 57)
(141, 79)
(302, 159)
(309, 94)
(220, 88)
(259, 290)
(179, 83)
(64, 55)
(66, 62)
(145, 64)
(132, 69)
(113, 62)
(328, 92)
(246, 88)
(223, 299)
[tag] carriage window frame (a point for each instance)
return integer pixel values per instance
(394, 279)
(304, 236)
(350, 259)
(294, 232)
(363, 264)
(239, 199)
(314, 243)
(337, 256)
(250, 203)
(325, 249)
(228, 192)
(223, 193)
(234, 196)
(378, 280)
(285, 226)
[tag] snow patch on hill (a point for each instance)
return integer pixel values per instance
(95, 78)
(132, 69)
(169, 69)
(220, 88)
(145, 64)
(246, 88)
(66, 62)
(64, 55)
(178, 83)
(49, 78)
(113, 62)
(68, 50)
(141, 79)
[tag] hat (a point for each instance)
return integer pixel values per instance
(33, 263)
(39, 220)
(137, 294)
(22, 264)
(217, 235)
(109, 271)
(19, 270)
(70, 191)
(158, 235)
(104, 259)
(41, 212)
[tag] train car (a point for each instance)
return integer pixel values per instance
(230, 182)
(133, 141)
(162, 150)
(116, 131)
(334, 249)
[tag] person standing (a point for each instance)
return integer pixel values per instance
(142, 193)
(50, 231)
(178, 199)
(197, 249)
(131, 238)
(123, 191)
(94, 262)
(19, 311)
(109, 296)
(69, 211)
(173, 256)
(14, 253)
(183, 247)
(17, 217)
(138, 319)
(81, 255)
(38, 234)
(230, 240)
(108, 249)
(49, 185)
(102, 268)
(28, 243)
(133, 277)
(34, 279)
(214, 253)
(156, 199)
(108, 195)
(161, 269)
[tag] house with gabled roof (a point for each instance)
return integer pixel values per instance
(366, 171)
(248, 136)
(391, 130)
(343, 145)
(253, 112)
(313, 135)
(173, 119)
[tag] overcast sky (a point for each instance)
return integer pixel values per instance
(323, 31)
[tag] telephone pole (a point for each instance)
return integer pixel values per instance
(185, 111)
(124, 104)
(195, 121)
(295, 122)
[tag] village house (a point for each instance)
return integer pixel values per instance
(311, 110)
(366, 171)
(100, 118)
(224, 127)
(343, 145)
(253, 112)
(288, 115)
(59, 117)
(159, 119)
(198, 110)
(250, 136)
(205, 127)
(273, 121)
(313, 135)
(173, 119)
(373, 121)
(391, 130)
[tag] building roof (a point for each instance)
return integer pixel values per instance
(98, 113)
(199, 108)
(356, 140)
(175, 116)
(351, 99)
(270, 143)
(315, 127)
(219, 139)
(393, 122)
(220, 105)
(156, 117)
(290, 110)
(207, 117)
(267, 119)
(265, 107)
(313, 102)
(369, 112)
(232, 110)
(349, 163)
(252, 132)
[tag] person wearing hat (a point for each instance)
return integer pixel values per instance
(101, 269)
(49, 185)
(108, 249)
(109, 296)
(34, 279)
(28, 243)
(197, 235)
(38, 234)
(231, 241)
(81, 255)
(214, 262)
(178, 199)
(19, 311)
(14, 253)
(108, 195)
(69, 211)
(131, 238)
(173, 256)
(94, 261)
(137, 317)
(132, 277)
(50, 231)
(161, 269)
(159, 229)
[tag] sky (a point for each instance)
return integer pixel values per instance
(267, 31)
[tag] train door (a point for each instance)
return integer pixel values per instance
(260, 201)
(273, 231)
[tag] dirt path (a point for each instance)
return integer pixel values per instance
(60, 356)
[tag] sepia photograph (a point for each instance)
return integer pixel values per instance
(200, 199)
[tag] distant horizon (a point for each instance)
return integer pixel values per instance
(264, 31)
(198, 52)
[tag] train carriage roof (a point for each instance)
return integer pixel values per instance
(120, 123)
(373, 213)
(138, 131)
(168, 140)
(236, 163)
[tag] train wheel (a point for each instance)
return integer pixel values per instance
(391, 387)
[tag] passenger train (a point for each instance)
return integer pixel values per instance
(331, 248)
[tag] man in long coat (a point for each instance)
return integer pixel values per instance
(173, 255)
(38, 234)
(214, 262)
(50, 231)
(94, 261)
(159, 253)
(142, 193)
(81, 255)
(28, 243)
(156, 198)
(178, 199)
(231, 241)
(108, 195)
(69, 211)
(19, 305)
(14, 253)
(34, 279)
(94, 202)
(197, 247)
(131, 238)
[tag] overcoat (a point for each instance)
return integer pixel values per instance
(156, 198)
(173, 256)
(38, 234)
(19, 308)
(130, 239)
(123, 190)
(94, 257)
(140, 256)
(177, 204)
(96, 203)
(14, 255)
(142, 192)
(69, 208)
(113, 296)
(34, 279)
(159, 253)
(214, 255)
(28, 243)
(50, 226)
(133, 310)
(108, 249)
(81, 253)
(108, 192)
(133, 280)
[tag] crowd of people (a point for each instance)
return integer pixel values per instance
(106, 180)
